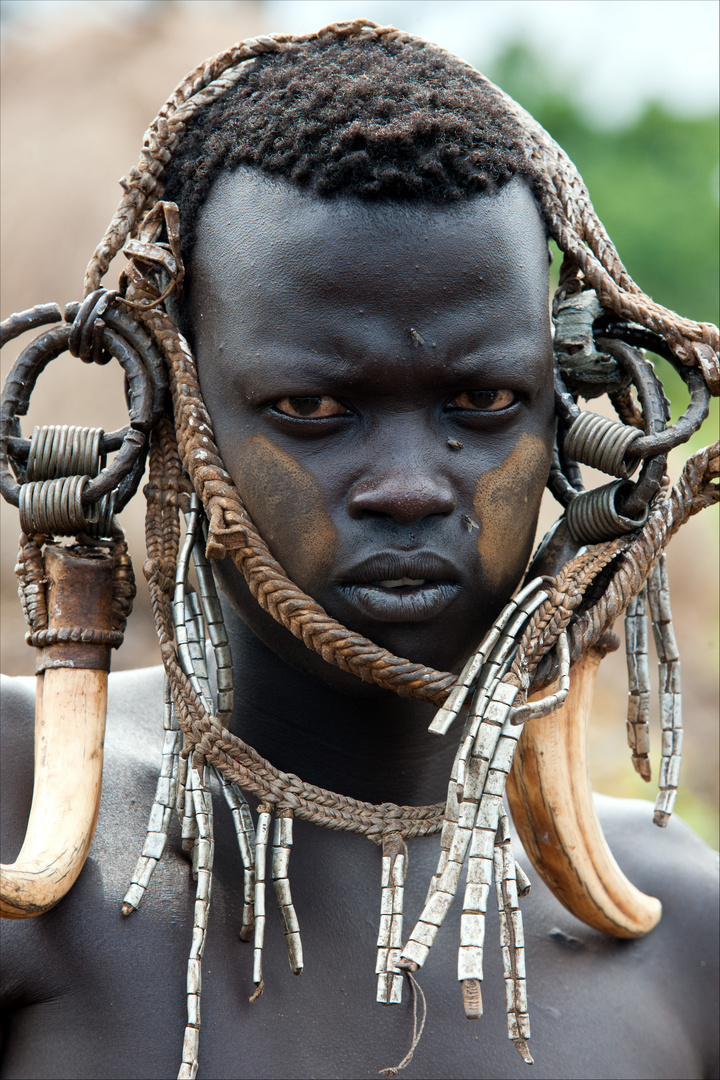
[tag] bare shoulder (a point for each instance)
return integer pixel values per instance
(673, 861)
(133, 739)
(683, 952)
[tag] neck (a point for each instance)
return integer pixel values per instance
(375, 748)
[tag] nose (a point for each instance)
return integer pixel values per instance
(405, 494)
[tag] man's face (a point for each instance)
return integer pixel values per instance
(379, 378)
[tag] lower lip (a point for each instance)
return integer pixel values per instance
(409, 603)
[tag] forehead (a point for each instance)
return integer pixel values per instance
(274, 264)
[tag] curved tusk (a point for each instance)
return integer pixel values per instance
(71, 705)
(69, 733)
(551, 801)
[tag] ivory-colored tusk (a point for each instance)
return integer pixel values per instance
(551, 801)
(71, 705)
(69, 733)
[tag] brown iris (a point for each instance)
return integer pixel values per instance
(483, 400)
(311, 407)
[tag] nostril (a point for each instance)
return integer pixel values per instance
(404, 497)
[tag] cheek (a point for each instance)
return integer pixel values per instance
(507, 501)
(286, 503)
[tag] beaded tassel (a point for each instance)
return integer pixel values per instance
(476, 823)
(471, 799)
(447, 713)
(394, 869)
(492, 759)
(636, 651)
(502, 642)
(200, 613)
(188, 638)
(245, 833)
(512, 940)
(280, 860)
(205, 846)
(189, 634)
(157, 827)
(215, 625)
(669, 691)
(262, 835)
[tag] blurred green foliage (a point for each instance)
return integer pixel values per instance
(654, 185)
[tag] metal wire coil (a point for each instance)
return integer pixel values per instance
(601, 443)
(63, 451)
(592, 516)
(55, 508)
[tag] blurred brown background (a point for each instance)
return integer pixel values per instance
(77, 95)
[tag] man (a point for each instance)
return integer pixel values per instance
(368, 312)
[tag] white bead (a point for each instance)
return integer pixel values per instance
(425, 933)
(476, 897)
(482, 843)
(472, 928)
(438, 907)
(194, 977)
(415, 952)
(470, 962)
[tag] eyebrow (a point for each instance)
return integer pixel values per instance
(336, 368)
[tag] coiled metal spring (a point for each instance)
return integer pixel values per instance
(55, 508)
(601, 443)
(63, 451)
(592, 516)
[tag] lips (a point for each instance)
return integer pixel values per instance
(401, 586)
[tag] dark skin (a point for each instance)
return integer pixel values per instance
(326, 315)
(334, 417)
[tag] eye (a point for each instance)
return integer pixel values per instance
(483, 400)
(310, 408)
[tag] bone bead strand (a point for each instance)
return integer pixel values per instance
(448, 828)
(196, 649)
(282, 843)
(488, 719)
(196, 610)
(512, 940)
(669, 690)
(471, 814)
(245, 833)
(163, 804)
(189, 636)
(447, 712)
(262, 835)
(495, 749)
(205, 848)
(459, 819)
(437, 905)
(180, 612)
(500, 658)
(389, 941)
(636, 643)
(216, 631)
(189, 833)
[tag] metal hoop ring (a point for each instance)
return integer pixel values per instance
(21, 382)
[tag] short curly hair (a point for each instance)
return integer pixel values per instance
(350, 117)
